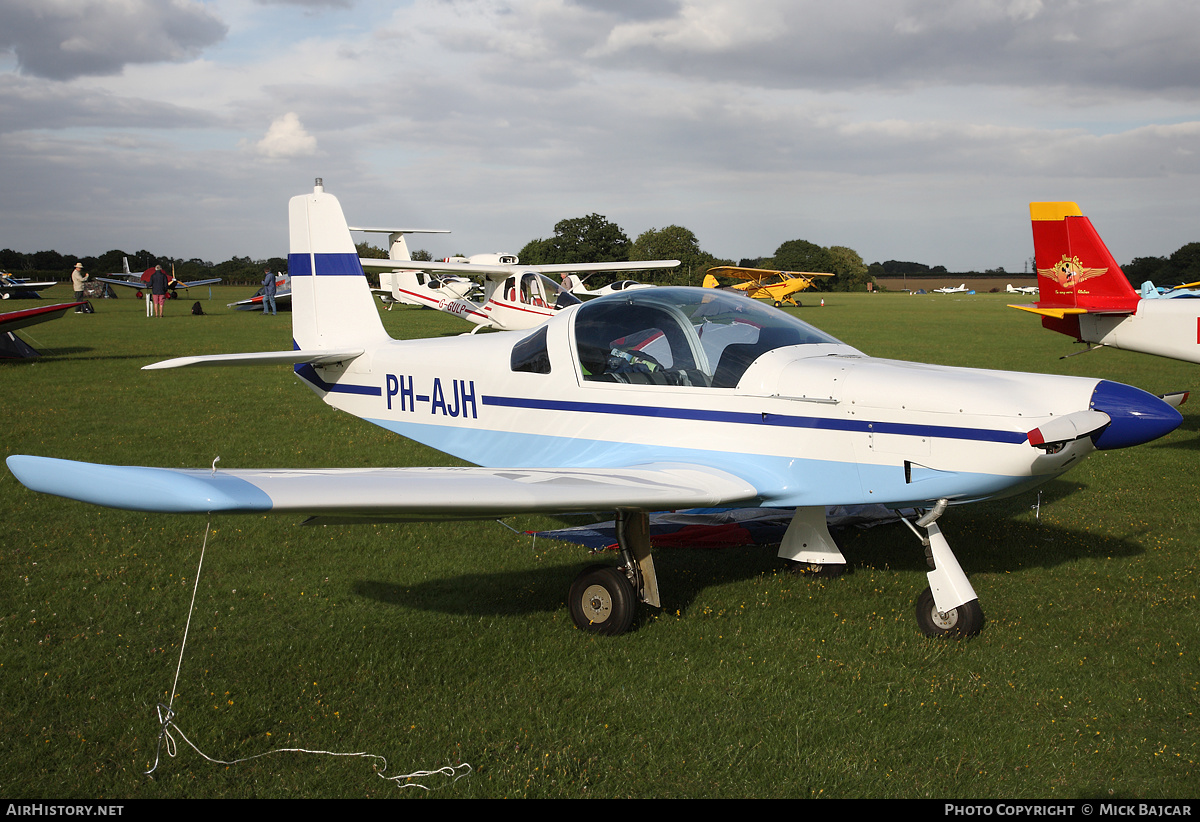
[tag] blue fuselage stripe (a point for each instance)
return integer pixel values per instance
(748, 418)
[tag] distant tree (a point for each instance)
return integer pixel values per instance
(536, 252)
(673, 243)
(590, 239)
(421, 254)
(850, 272)
(371, 252)
(801, 255)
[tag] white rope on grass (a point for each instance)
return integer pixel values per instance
(166, 720)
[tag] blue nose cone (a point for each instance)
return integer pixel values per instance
(1137, 416)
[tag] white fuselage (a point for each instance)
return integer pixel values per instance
(1168, 328)
(808, 425)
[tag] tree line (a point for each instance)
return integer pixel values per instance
(596, 239)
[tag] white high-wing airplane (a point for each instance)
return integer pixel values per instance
(1084, 294)
(1023, 289)
(962, 289)
(655, 399)
(131, 279)
(515, 296)
(412, 286)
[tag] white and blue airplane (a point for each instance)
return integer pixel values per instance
(649, 400)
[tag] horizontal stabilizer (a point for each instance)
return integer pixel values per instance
(393, 493)
(316, 357)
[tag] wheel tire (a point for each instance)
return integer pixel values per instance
(602, 600)
(964, 621)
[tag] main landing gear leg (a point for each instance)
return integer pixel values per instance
(603, 599)
(949, 607)
(808, 547)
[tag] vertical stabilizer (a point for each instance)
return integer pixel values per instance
(331, 299)
(1075, 269)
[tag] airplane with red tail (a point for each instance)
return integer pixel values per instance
(1085, 294)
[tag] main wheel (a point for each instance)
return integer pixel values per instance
(964, 621)
(602, 600)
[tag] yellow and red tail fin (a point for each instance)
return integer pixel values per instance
(1075, 269)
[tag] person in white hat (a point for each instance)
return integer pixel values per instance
(78, 278)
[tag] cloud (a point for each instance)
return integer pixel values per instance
(66, 39)
(285, 139)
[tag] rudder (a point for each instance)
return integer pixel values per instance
(1074, 267)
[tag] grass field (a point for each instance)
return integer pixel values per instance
(448, 643)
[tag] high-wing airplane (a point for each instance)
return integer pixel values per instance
(763, 284)
(949, 289)
(11, 286)
(12, 346)
(1022, 289)
(1085, 295)
(650, 400)
(414, 287)
(131, 279)
(515, 296)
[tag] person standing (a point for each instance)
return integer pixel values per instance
(160, 284)
(78, 278)
(268, 293)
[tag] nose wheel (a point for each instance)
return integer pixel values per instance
(949, 607)
(962, 621)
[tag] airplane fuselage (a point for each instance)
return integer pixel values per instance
(1168, 328)
(871, 430)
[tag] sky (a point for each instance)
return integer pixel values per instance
(915, 130)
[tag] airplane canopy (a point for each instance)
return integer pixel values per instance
(682, 336)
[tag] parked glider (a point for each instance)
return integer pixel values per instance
(515, 296)
(132, 279)
(11, 287)
(1085, 295)
(12, 346)
(764, 284)
(651, 400)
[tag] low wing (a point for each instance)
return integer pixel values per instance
(144, 285)
(257, 300)
(16, 320)
(393, 493)
(12, 285)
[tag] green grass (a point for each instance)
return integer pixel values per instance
(448, 643)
